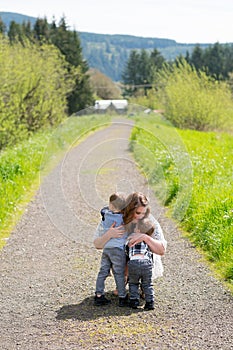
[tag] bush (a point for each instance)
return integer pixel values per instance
(193, 100)
(33, 90)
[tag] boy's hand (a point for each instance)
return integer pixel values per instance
(116, 232)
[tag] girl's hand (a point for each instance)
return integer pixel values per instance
(116, 232)
(155, 246)
(136, 238)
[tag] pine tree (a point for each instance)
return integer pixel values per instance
(140, 71)
(197, 58)
(69, 44)
(41, 29)
(15, 32)
(2, 27)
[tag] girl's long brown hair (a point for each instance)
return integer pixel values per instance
(133, 201)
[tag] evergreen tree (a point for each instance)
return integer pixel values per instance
(41, 29)
(197, 58)
(228, 61)
(15, 32)
(69, 44)
(27, 30)
(130, 73)
(213, 59)
(2, 27)
(140, 70)
(156, 63)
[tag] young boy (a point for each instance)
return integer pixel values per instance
(113, 256)
(140, 266)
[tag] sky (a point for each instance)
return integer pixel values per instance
(186, 21)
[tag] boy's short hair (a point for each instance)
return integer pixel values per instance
(117, 200)
(146, 226)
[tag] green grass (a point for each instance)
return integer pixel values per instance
(191, 173)
(23, 166)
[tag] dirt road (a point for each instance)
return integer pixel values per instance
(49, 266)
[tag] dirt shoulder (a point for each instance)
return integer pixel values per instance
(48, 267)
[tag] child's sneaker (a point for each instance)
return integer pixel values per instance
(134, 303)
(123, 301)
(99, 301)
(149, 305)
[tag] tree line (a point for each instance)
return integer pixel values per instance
(67, 41)
(43, 78)
(140, 69)
(193, 93)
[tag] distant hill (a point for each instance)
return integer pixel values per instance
(8, 17)
(109, 53)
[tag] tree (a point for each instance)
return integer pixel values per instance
(69, 44)
(27, 30)
(197, 58)
(213, 59)
(103, 86)
(192, 99)
(41, 29)
(140, 71)
(15, 32)
(2, 27)
(130, 73)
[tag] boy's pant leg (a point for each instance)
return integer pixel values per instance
(147, 281)
(118, 259)
(134, 272)
(103, 273)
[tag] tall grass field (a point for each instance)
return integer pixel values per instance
(191, 173)
(23, 166)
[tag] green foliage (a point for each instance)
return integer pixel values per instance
(140, 70)
(205, 189)
(215, 60)
(193, 100)
(33, 90)
(103, 87)
(21, 166)
(110, 53)
(148, 101)
(69, 45)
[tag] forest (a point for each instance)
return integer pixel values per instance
(43, 76)
(109, 53)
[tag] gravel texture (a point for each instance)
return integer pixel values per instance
(49, 266)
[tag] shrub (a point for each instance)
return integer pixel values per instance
(193, 100)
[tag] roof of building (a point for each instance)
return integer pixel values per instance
(104, 104)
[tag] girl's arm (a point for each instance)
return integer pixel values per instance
(102, 238)
(156, 246)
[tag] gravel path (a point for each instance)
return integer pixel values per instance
(49, 266)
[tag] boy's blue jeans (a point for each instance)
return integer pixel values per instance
(141, 270)
(112, 258)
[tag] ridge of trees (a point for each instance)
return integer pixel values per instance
(194, 94)
(67, 42)
(108, 53)
(43, 78)
(140, 71)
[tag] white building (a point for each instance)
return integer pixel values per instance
(102, 106)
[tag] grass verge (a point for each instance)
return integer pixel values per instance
(191, 173)
(23, 166)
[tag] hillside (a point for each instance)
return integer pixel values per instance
(109, 53)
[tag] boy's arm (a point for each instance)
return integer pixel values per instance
(102, 238)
